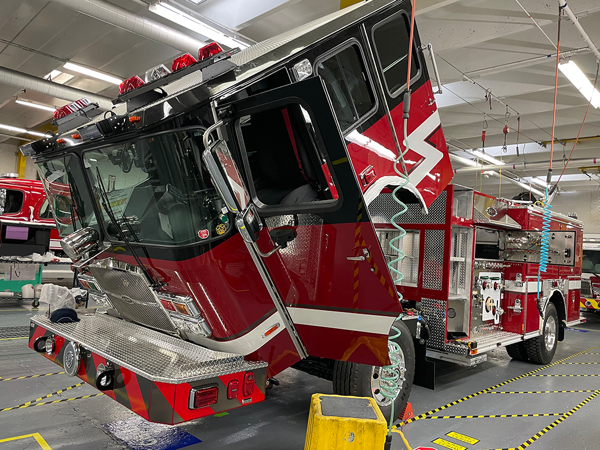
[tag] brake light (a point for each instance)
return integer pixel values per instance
(182, 308)
(156, 73)
(232, 389)
(202, 397)
(71, 108)
(167, 305)
(209, 50)
(249, 384)
(182, 62)
(130, 84)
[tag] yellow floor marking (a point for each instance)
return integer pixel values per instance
(12, 339)
(37, 436)
(462, 437)
(448, 444)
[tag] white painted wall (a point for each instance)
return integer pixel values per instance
(8, 158)
(585, 203)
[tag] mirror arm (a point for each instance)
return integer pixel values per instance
(266, 255)
(208, 131)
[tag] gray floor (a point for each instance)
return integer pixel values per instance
(280, 422)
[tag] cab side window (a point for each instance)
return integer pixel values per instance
(391, 39)
(348, 86)
(285, 165)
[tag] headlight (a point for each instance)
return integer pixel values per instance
(80, 242)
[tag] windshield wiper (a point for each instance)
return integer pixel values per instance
(113, 220)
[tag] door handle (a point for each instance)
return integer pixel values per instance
(363, 257)
(355, 258)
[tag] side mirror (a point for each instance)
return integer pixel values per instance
(249, 225)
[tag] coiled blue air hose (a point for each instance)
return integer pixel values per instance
(545, 245)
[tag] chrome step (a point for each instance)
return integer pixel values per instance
(156, 356)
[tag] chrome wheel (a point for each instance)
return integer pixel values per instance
(387, 372)
(550, 333)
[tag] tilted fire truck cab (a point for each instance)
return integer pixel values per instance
(224, 214)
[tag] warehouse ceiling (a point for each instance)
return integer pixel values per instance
(482, 39)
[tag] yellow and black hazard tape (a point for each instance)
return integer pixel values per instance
(30, 376)
(562, 418)
(567, 375)
(33, 402)
(583, 363)
(485, 391)
(495, 416)
(542, 392)
(67, 399)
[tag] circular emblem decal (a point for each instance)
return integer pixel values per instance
(221, 229)
(203, 234)
(71, 359)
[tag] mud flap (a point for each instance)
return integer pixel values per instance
(424, 369)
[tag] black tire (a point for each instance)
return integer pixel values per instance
(355, 379)
(537, 350)
(517, 351)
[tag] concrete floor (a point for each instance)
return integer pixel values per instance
(98, 422)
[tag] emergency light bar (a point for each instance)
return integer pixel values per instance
(137, 93)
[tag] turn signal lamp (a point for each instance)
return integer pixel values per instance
(130, 84)
(202, 397)
(135, 119)
(156, 73)
(181, 308)
(209, 50)
(182, 62)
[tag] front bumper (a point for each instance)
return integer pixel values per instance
(154, 373)
(589, 304)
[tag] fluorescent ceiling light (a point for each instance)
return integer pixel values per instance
(581, 82)
(193, 24)
(487, 157)
(92, 73)
(35, 105)
(20, 130)
(539, 182)
(52, 75)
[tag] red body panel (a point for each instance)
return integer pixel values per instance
(428, 147)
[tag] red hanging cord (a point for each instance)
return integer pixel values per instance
(410, 43)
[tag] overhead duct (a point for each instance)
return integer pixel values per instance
(142, 26)
(584, 35)
(23, 81)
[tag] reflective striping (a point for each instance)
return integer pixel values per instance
(366, 323)
(462, 437)
(35, 402)
(574, 285)
(31, 376)
(447, 444)
(542, 392)
(494, 416)
(486, 391)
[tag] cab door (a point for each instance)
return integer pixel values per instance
(329, 271)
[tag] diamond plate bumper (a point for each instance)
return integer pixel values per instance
(154, 373)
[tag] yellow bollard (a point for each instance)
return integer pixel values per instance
(338, 422)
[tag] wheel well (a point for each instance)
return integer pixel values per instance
(558, 300)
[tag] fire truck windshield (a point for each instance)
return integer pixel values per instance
(157, 189)
(69, 200)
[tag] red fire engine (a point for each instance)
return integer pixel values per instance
(233, 213)
(23, 205)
